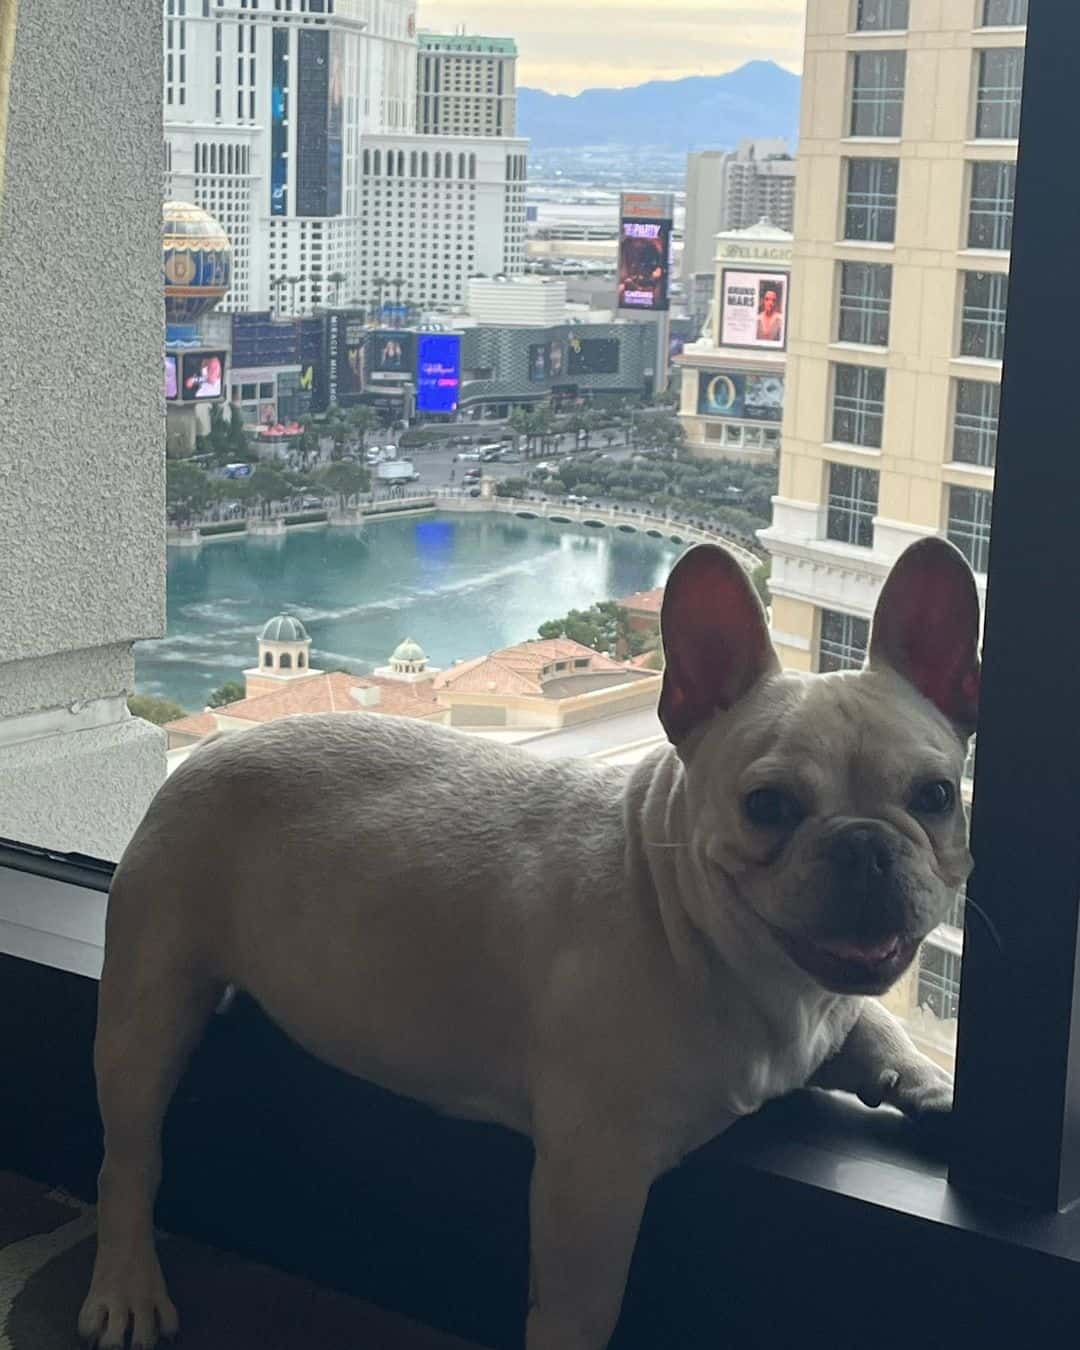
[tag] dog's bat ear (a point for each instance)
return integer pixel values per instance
(926, 628)
(715, 636)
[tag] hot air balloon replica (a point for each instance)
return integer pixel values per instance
(197, 268)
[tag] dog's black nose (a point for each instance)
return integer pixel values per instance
(861, 853)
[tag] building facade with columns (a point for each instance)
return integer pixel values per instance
(732, 400)
(903, 228)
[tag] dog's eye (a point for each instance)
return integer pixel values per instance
(772, 809)
(933, 799)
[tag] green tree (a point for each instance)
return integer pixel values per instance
(361, 421)
(187, 489)
(512, 487)
(345, 480)
(217, 439)
(267, 485)
(232, 691)
(605, 627)
(237, 441)
(156, 710)
(760, 578)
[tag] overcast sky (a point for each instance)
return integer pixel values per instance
(569, 45)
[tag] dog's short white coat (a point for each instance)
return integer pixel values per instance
(579, 952)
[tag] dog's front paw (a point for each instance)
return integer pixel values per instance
(919, 1088)
(136, 1300)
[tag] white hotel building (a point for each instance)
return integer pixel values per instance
(293, 122)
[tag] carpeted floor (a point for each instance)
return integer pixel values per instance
(226, 1303)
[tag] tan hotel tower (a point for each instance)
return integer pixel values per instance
(910, 112)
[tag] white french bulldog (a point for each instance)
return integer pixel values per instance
(616, 963)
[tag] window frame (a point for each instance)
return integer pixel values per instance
(864, 308)
(872, 212)
(860, 406)
(846, 508)
(813, 1177)
(882, 101)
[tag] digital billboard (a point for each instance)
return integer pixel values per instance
(393, 352)
(593, 356)
(351, 355)
(171, 388)
(547, 361)
(644, 264)
(203, 375)
(753, 309)
(279, 132)
(438, 372)
(747, 396)
(319, 116)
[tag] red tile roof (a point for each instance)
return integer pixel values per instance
(517, 670)
(644, 601)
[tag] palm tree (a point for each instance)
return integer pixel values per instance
(293, 283)
(276, 284)
(337, 280)
(380, 285)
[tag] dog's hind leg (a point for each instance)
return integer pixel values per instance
(153, 1006)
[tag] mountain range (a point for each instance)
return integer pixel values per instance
(759, 99)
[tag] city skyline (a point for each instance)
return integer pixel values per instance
(642, 41)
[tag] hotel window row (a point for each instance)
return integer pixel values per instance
(872, 199)
(877, 94)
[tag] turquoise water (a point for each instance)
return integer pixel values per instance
(459, 585)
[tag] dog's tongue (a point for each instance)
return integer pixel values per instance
(859, 951)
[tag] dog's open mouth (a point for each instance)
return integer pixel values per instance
(851, 966)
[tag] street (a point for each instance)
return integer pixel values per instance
(434, 465)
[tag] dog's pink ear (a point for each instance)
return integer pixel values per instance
(926, 628)
(716, 640)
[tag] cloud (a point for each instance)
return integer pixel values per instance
(569, 45)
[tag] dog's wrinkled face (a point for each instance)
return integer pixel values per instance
(829, 806)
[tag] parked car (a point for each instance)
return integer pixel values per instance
(472, 476)
(311, 503)
(475, 492)
(467, 454)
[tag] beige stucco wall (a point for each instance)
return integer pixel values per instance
(82, 546)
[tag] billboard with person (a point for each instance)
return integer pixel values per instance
(393, 352)
(753, 309)
(203, 375)
(645, 229)
(351, 355)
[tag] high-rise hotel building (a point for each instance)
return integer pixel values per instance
(910, 115)
(294, 123)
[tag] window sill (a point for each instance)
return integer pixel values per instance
(985, 471)
(859, 348)
(878, 245)
(975, 141)
(389, 1201)
(877, 33)
(873, 140)
(869, 451)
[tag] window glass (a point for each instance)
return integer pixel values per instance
(881, 15)
(858, 405)
(997, 107)
(982, 324)
(843, 642)
(1004, 13)
(969, 524)
(976, 422)
(993, 186)
(865, 295)
(877, 93)
(870, 209)
(853, 503)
